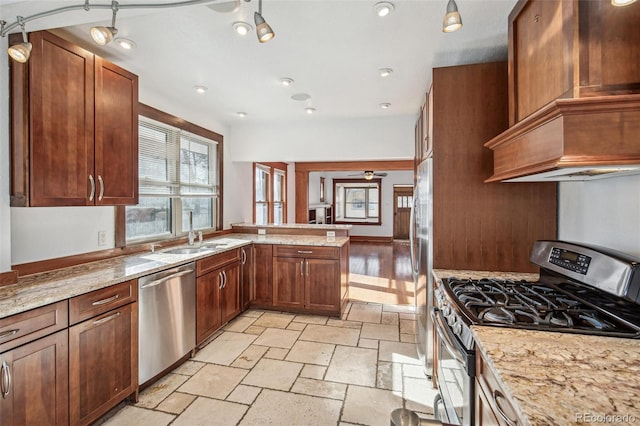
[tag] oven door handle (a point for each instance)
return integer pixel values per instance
(450, 342)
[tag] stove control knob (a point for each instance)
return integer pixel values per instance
(451, 319)
(440, 303)
(446, 311)
(457, 328)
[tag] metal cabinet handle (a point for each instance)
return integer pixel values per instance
(302, 267)
(5, 384)
(219, 280)
(8, 333)
(93, 187)
(307, 262)
(167, 278)
(105, 319)
(101, 188)
(105, 301)
(305, 251)
(244, 256)
(224, 275)
(497, 394)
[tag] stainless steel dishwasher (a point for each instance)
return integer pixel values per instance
(166, 319)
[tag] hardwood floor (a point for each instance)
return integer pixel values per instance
(381, 273)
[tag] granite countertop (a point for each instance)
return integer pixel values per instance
(33, 291)
(555, 378)
(563, 378)
(293, 226)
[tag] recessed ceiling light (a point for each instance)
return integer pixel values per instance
(383, 8)
(241, 114)
(385, 72)
(125, 43)
(286, 81)
(301, 97)
(201, 89)
(242, 28)
(385, 105)
(310, 110)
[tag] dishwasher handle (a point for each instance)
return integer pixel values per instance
(167, 278)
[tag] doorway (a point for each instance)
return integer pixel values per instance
(402, 202)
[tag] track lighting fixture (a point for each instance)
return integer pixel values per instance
(263, 30)
(20, 52)
(103, 35)
(452, 20)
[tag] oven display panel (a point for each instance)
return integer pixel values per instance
(576, 262)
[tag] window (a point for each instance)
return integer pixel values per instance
(179, 178)
(270, 193)
(357, 201)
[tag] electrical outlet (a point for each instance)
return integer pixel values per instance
(331, 234)
(262, 231)
(102, 238)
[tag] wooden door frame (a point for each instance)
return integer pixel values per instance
(302, 170)
(404, 190)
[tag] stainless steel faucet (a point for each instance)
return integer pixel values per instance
(192, 235)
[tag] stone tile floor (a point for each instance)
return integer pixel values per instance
(270, 368)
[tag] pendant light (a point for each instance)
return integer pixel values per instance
(452, 20)
(20, 52)
(263, 30)
(103, 35)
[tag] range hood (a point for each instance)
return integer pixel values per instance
(571, 139)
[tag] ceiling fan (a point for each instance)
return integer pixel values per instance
(370, 174)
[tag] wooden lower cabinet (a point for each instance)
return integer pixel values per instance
(102, 363)
(247, 277)
(492, 406)
(38, 392)
(263, 276)
(217, 299)
(308, 283)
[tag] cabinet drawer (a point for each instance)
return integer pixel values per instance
(27, 326)
(100, 301)
(307, 251)
(494, 393)
(216, 261)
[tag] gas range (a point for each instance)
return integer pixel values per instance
(581, 289)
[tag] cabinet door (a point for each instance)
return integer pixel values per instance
(102, 363)
(321, 285)
(207, 303)
(288, 282)
(230, 293)
(39, 388)
(61, 78)
(263, 278)
(541, 55)
(484, 413)
(116, 134)
(247, 277)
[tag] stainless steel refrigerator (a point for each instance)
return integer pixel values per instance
(422, 260)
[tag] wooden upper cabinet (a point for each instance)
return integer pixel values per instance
(570, 49)
(116, 137)
(74, 134)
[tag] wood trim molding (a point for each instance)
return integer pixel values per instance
(156, 114)
(369, 239)
(346, 166)
(8, 278)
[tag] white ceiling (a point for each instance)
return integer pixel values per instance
(331, 48)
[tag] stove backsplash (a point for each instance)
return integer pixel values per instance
(603, 212)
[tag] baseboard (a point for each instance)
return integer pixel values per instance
(9, 277)
(366, 239)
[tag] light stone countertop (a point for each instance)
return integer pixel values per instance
(563, 378)
(33, 291)
(294, 226)
(560, 379)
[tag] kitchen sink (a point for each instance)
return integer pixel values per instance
(187, 250)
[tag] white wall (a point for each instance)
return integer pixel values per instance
(604, 212)
(386, 138)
